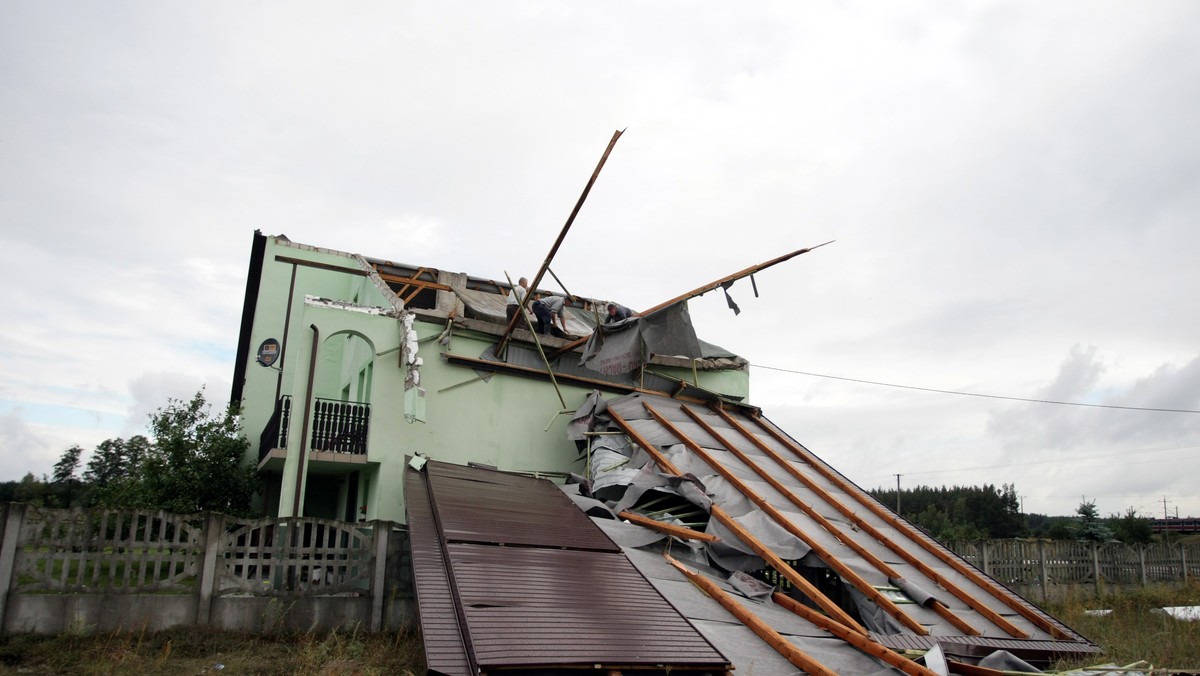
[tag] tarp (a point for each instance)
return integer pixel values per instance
(623, 346)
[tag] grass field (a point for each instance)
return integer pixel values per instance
(200, 651)
(1132, 631)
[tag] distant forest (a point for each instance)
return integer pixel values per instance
(984, 512)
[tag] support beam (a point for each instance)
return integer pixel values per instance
(859, 641)
(846, 573)
(700, 291)
(537, 279)
(668, 528)
(824, 602)
(879, 565)
(798, 658)
(954, 562)
(864, 525)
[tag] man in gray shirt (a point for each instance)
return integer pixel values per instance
(546, 310)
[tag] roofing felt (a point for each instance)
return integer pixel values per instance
(735, 455)
(498, 592)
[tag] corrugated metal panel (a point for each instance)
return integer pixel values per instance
(520, 510)
(567, 596)
(444, 649)
(529, 606)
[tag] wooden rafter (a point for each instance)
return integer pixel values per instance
(722, 517)
(857, 640)
(879, 565)
(962, 568)
(784, 647)
(668, 528)
(871, 530)
(886, 604)
(701, 290)
(407, 282)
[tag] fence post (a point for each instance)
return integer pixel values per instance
(1183, 557)
(1142, 562)
(1042, 570)
(206, 586)
(382, 529)
(984, 561)
(1096, 566)
(14, 517)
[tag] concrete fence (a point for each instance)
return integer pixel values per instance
(1051, 569)
(94, 570)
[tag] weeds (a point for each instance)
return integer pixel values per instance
(1133, 631)
(195, 650)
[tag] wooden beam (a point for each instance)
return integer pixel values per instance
(668, 528)
(871, 530)
(537, 279)
(742, 534)
(786, 570)
(953, 561)
(320, 266)
(879, 565)
(859, 641)
(701, 290)
(412, 281)
(886, 604)
(794, 655)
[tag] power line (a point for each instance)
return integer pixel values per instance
(976, 394)
(1065, 460)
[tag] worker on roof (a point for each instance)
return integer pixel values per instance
(515, 298)
(547, 309)
(617, 313)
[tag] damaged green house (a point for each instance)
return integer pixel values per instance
(617, 506)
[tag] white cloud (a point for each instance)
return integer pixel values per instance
(1004, 181)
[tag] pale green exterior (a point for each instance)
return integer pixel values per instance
(508, 421)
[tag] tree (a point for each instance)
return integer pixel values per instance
(195, 463)
(1131, 528)
(1089, 526)
(67, 465)
(116, 460)
(64, 482)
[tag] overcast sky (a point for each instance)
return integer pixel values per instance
(1014, 190)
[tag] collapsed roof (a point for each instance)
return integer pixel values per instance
(700, 496)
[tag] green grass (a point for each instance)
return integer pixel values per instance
(205, 651)
(1132, 632)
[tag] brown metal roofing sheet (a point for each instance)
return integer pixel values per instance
(527, 606)
(444, 649)
(510, 510)
(567, 596)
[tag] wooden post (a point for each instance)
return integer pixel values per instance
(13, 519)
(1096, 566)
(984, 558)
(1183, 557)
(208, 584)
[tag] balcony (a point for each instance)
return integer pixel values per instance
(339, 430)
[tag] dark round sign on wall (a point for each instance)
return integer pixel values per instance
(268, 352)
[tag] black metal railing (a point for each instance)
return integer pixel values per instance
(340, 426)
(275, 433)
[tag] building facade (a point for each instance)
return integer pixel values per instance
(348, 365)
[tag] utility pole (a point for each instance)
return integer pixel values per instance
(897, 495)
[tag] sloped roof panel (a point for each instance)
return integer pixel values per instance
(522, 578)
